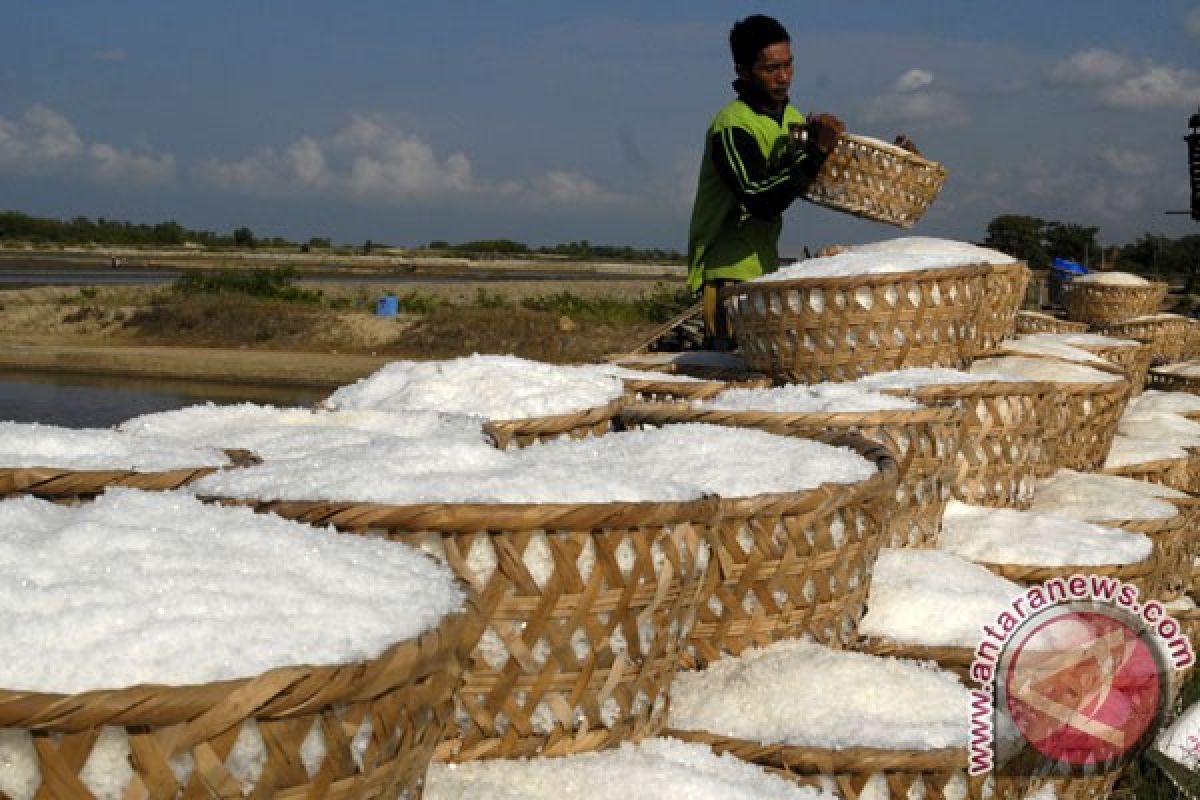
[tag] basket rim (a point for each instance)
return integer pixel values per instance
(476, 517)
(967, 388)
(314, 686)
(1042, 573)
(656, 411)
(1151, 527)
(972, 269)
(1153, 465)
(808, 759)
(555, 421)
(41, 480)
(944, 654)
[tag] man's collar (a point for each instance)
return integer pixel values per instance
(758, 100)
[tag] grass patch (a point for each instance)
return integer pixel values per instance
(494, 300)
(276, 283)
(657, 306)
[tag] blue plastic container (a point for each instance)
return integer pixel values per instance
(1062, 270)
(387, 306)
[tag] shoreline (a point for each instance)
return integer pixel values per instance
(242, 366)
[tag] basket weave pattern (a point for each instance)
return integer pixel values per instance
(1003, 294)
(59, 483)
(907, 773)
(1143, 574)
(809, 330)
(1003, 447)
(1090, 413)
(1172, 382)
(401, 700)
(922, 441)
(1099, 303)
(648, 390)
(1037, 322)
(509, 434)
(1170, 338)
(1134, 360)
(793, 566)
(1173, 472)
(886, 184)
(1172, 552)
(575, 660)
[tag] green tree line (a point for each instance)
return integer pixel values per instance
(15, 225)
(1038, 242)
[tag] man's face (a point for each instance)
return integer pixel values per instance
(772, 72)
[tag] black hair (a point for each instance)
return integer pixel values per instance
(749, 36)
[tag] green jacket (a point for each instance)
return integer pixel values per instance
(746, 181)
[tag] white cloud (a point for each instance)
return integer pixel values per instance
(1192, 22)
(112, 164)
(1129, 163)
(1156, 87)
(44, 140)
(371, 158)
(1125, 84)
(1093, 66)
(929, 109)
(913, 80)
(113, 55)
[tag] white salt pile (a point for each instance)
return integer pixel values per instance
(654, 769)
(156, 587)
(1007, 536)
(35, 445)
(916, 377)
(1155, 400)
(1111, 279)
(800, 693)
(1127, 451)
(903, 254)
(1041, 369)
(1178, 740)
(1172, 428)
(1189, 369)
(1161, 317)
(657, 465)
(489, 386)
(1079, 339)
(1093, 497)
(1038, 345)
(809, 399)
(933, 598)
(273, 433)
(627, 374)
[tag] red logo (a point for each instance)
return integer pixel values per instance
(1083, 687)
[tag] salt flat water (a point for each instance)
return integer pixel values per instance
(81, 401)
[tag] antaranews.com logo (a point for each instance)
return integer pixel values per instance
(1074, 677)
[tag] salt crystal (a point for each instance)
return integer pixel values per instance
(1097, 498)
(903, 254)
(35, 445)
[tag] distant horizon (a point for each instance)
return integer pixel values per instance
(549, 122)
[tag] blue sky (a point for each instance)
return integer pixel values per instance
(549, 122)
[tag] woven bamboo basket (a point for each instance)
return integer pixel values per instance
(1133, 359)
(1172, 553)
(953, 659)
(1003, 294)
(808, 330)
(1004, 445)
(1165, 381)
(879, 181)
(923, 442)
(402, 699)
(1142, 574)
(509, 434)
(56, 483)
(649, 390)
(906, 773)
(794, 565)
(575, 660)
(1090, 413)
(1173, 472)
(1037, 322)
(1100, 304)
(1170, 337)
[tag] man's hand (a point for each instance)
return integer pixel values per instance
(823, 132)
(907, 143)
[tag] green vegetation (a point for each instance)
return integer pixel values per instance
(656, 306)
(581, 250)
(486, 299)
(275, 284)
(44, 230)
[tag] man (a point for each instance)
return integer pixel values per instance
(759, 155)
